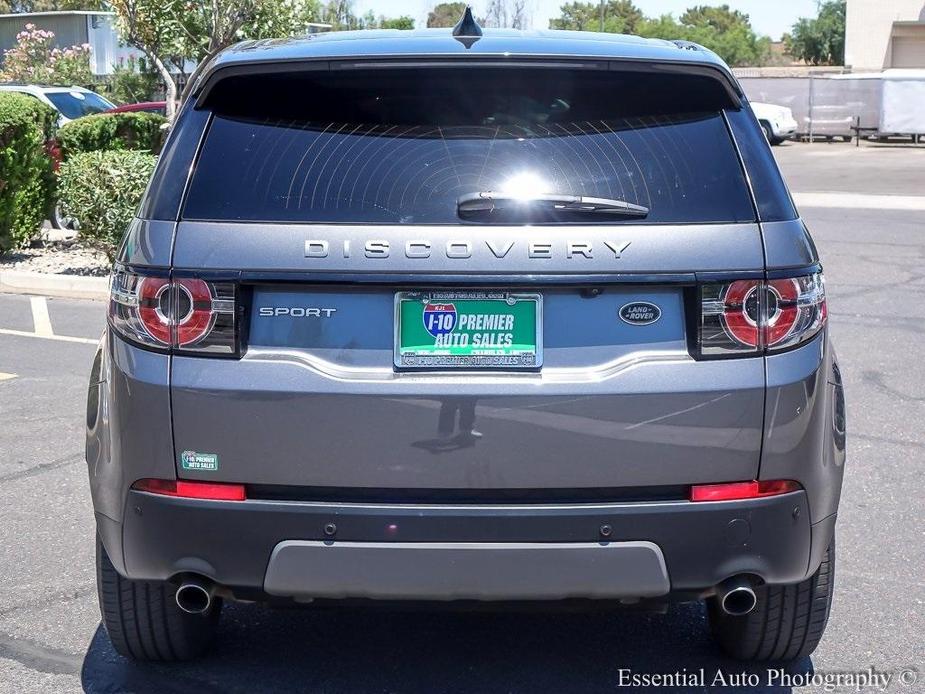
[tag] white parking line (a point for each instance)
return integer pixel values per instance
(860, 201)
(40, 317)
(59, 338)
(6, 376)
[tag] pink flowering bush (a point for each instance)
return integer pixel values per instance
(35, 59)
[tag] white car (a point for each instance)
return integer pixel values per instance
(776, 121)
(69, 102)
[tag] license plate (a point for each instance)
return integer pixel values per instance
(468, 330)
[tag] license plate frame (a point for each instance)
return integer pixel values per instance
(519, 357)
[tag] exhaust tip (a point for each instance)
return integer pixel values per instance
(739, 600)
(194, 598)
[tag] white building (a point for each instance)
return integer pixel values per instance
(883, 34)
(72, 28)
(95, 28)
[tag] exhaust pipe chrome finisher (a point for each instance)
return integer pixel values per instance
(736, 596)
(194, 596)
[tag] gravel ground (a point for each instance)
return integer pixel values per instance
(69, 257)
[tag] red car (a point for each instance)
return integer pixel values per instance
(149, 106)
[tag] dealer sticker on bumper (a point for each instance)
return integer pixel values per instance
(205, 462)
(482, 329)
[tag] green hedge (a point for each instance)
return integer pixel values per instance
(113, 131)
(26, 175)
(101, 190)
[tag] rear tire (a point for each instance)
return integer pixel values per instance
(786, 624)
(769, 134)
(59, 220)
(143, 620)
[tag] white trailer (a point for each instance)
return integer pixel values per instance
(903, 102)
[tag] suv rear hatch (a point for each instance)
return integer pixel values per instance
(394, 342)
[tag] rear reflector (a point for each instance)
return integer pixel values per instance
(192, 490)
(731, 491)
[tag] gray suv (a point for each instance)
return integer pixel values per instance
(448, 315)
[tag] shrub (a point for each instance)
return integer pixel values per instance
(36, 59)
(26, 178)
(101, 190)
(131, 130)
(133, 81)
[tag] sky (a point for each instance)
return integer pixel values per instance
(770, 17)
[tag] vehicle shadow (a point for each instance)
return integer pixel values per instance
(359, 650)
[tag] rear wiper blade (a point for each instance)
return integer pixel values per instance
(490, 200)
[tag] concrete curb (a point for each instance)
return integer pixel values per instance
(67, 286)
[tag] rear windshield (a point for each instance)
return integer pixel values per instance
(398, 146)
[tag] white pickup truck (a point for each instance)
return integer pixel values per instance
(776, 121)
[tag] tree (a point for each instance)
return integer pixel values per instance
(821, 40)
(620, 17)
(151, 26)
(133, 81)
(662, 27)
(726, 32)
(720, 18)
(20, 6)
(209, 27)
(446, 14)
(496, 14)
(170, 32)
(339, 14)
(403, 22)
(519, 17)
(504, 14)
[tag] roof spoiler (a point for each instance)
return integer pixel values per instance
(211, 77)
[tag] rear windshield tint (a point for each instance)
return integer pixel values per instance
(771, 195)
(401, 147)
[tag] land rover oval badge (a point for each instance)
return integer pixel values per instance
(640, 313)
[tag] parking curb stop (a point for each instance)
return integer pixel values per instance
(67, 286)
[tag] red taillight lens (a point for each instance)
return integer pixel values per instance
(782, 297)
(191, 315)
(732, 491)
(746, 316)
(215, 491)
(154, 307)
(740, 311)
(194, 310)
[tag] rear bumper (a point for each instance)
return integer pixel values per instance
(622, 550)
(466, 570)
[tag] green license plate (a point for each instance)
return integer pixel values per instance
(468, 330)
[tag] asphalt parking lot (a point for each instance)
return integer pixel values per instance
(866, 209)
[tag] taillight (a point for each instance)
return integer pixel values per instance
(733, 491)
(187, 489)
(750, 316)
(186, 314)
(53, 150)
